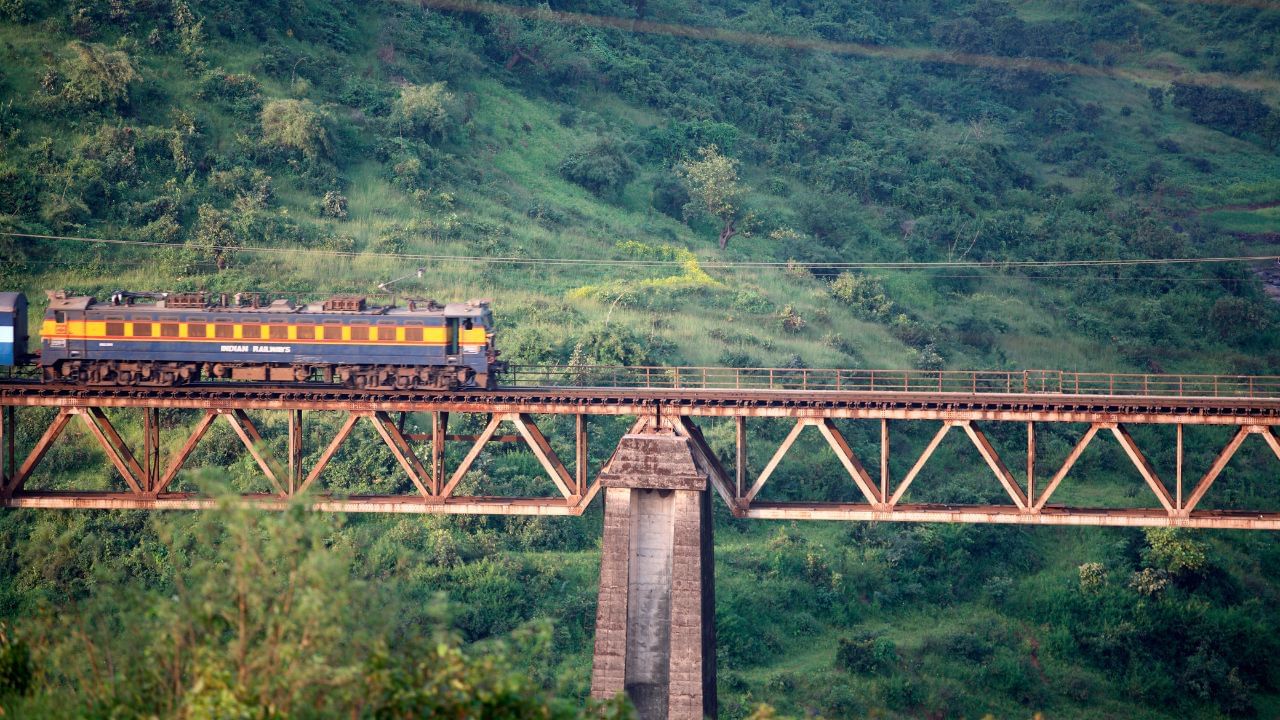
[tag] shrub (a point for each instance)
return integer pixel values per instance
(669, 196)
(425, 110)
(928, 358)
(1093, 577)
(864, 294)
(334, 205)
(242, 94)
(616, 345)
(296, 125)
(1174, 551)
(93, 77)
(790, 319)
(865, 654)
(213, 238)
(603, 168)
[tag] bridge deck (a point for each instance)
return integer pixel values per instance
(672, 398)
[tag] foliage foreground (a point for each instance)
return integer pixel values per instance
(236, 613)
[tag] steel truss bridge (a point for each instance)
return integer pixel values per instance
(675, 399)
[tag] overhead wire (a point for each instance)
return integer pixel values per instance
(633, 262)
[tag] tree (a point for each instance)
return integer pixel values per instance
(213, 237)
(714, 190)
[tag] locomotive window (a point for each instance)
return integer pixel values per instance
(451, 337)
(413, 334)
(59, 316)
(224, 331)
(196, 330)
(142, 329)
(279, 332)
(359, 332)
(168, 329)
(468, 324)
(115, 329)
(306, 332)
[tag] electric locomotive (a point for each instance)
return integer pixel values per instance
(164, 339)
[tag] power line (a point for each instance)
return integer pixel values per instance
(713, 264)
(888, 52)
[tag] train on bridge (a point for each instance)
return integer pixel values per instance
(170, 339)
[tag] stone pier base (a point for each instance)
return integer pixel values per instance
(655, 626)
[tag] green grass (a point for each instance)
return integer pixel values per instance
(1252, 222)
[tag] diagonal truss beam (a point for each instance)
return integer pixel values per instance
(996, 464)
(1066, 466)
(924, 457)
(252, 439)
(706, 458)
(403, 452)
(546, 456)
(537, 443)
(1224, 457)
(773, 462)
(848, 459)
(180, 459)
(332, 449)
(851, 464)
(117, 452)
(37, 453)
(1144, 467)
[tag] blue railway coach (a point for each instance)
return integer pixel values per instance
(167, 339)
(13, 328)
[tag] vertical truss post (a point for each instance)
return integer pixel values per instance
(884, 457)
(1178, 471)
(580, 468)
(295, 450)
(741, 435)
(439, 430)
(151, 448)
(6, 446)
(1031, 463)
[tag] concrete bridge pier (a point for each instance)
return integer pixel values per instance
(655, 626)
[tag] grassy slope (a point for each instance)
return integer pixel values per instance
(518, 145)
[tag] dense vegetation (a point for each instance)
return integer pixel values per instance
(370, 134)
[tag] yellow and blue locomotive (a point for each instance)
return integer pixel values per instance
(163, 339)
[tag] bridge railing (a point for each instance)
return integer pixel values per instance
(924, 381)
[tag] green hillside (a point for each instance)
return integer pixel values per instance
(300, 147)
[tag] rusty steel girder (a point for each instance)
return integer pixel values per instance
(147, 481)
